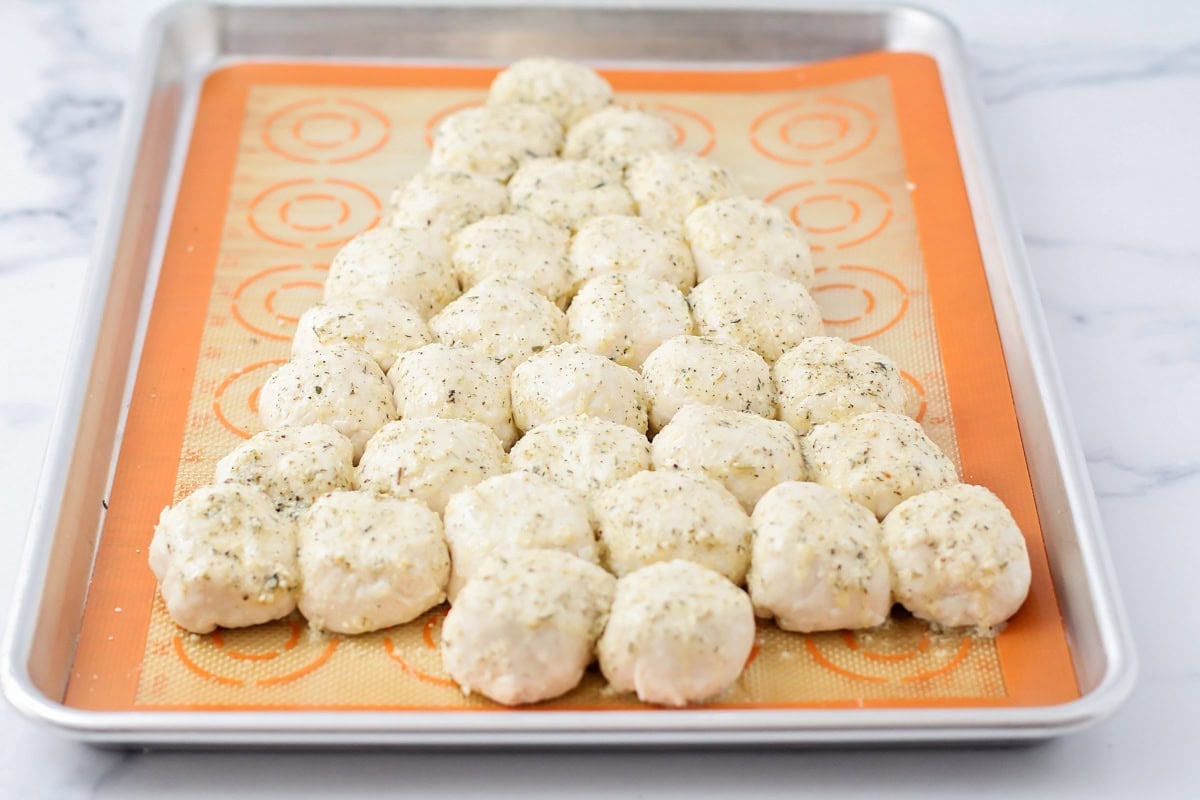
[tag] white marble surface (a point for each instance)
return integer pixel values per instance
(1094, 113)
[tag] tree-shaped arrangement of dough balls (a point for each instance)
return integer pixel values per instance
(468, 415)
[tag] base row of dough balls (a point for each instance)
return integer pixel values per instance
(679, 510)
(353, 562)
(519, 557)
(528, 625)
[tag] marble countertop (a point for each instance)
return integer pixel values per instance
(1093, 109)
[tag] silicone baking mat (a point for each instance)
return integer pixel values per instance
(289, 161)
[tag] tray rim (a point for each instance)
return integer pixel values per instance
(567, 728)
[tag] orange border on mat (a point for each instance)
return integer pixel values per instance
(1034, 658)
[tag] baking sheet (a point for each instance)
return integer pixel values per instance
(288, 161)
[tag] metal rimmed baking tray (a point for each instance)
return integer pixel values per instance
(152, 238)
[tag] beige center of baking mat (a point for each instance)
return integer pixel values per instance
(315, 165)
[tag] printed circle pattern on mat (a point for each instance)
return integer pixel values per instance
(422, 661)
(859, 303)
(837, 213)
(270, 302)
(694, 132)
(907, 653)
(329, 130)
(264, 655)
(825, 130)
(235, 402)
(313, 213)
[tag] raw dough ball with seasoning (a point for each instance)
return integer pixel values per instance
(525, 627)
(693, 369)
(294, 466)
(516, 246)
(369, 562)
(616, 136)
(566, 90)
(615, 243)
(660, 516)
(493, 141)
(566, 193)
(668, 186)
(516, 511)
(454, 383)
(677, 633)
(958, 557)
(876, 459)
(746, 453)
(565, 380)
(625, 317)
(224, 557)
(738, 234)
(501, 318)
(818, 562)
(447, 201)
(338, 386)
(582, 453)
(381, 327)
(826, 379)
(760, 310)
(430, 459)
(407, 264)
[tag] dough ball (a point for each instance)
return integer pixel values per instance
(826, 379)
(338, 386)
(957, 556)
(407, 264)
(876, 459)
(381, 327)
(660, 516)
(693, 369)
(446, 202)
(626, 316)
(294, 466)
(746, 453)
(430, 459)
(615, 243)
(565, 193)
(566, 90)
(737, 234)
(525, 627)
(616, 136)
(582, 453)
(224, 557)
(566, 380)
(760, 310)
(677, 633)
(515, 246)
(503, 319)
(454, 383)
(516, 511)
(370, 562)
(818, 562)
(493, 141)
(668, 186)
